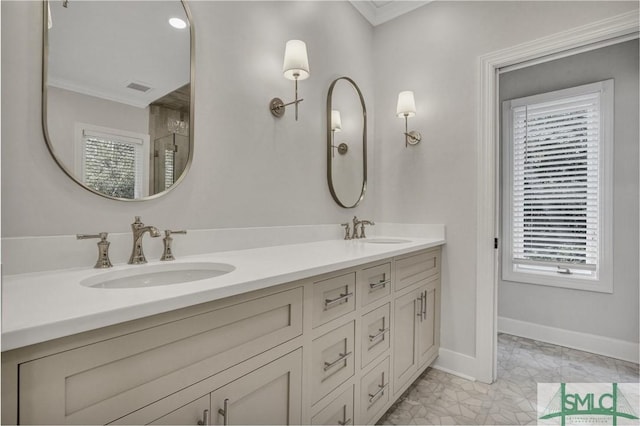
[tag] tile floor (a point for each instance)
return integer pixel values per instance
(438, 398)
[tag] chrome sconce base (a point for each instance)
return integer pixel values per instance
(343, 148)
(412, 138)
(276, 106)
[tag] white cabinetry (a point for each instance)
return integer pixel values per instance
(334, 349)
(416, 316)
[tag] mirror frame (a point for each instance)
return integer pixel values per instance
(364, 144)
(65, 168)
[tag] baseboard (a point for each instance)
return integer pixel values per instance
(601, 345)
(456, 363)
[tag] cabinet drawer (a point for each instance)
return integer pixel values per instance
(374, 391)
(332, 360)
(374, 283)
(333, 298)
(413, 269)
(101, 382)
(376, 329)
(338, 412)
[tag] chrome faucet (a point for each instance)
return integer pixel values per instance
(138, 228)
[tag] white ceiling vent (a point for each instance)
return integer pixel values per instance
(138, 86)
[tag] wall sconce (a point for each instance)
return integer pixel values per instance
(295, 67)
(407, 108)
(336, 127)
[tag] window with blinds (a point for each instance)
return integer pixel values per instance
(556, 160)
(112, 164)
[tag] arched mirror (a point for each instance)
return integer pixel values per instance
(118, 94)
(346, 142)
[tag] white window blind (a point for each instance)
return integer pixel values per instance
(555, 193)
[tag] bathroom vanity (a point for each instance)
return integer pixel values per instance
(330, 332)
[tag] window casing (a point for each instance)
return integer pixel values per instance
(557, 188)
(112, 161)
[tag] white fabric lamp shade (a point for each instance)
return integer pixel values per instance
(296, 60)
(406, 104)
(336, 122)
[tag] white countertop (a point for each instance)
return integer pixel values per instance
(41, 306)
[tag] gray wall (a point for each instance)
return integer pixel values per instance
(250, 169)
(434, 52)
(611, 315)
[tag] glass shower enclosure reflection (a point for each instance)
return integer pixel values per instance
(170, 156)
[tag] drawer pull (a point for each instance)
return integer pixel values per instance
(380, 333)
(328, 303)
(206, 421)
(224, 412)
(373, 398)
(343, 357)
(419, 314)
(377, 286)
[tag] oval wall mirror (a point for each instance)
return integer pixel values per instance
(118, 94)
(346, 142)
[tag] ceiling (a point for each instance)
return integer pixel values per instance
(380, 11)
(98, 48)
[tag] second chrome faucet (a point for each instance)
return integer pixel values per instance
(139, 229)
(356, 223)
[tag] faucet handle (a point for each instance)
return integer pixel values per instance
(347, 230)
(167, 240)
(362, 225)
(103, 248)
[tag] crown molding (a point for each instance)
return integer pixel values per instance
(377, 15)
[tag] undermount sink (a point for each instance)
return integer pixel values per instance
(385, 240)
(158, 275)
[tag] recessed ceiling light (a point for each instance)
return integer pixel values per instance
(177, 23)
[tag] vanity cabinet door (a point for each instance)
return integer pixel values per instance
(270, 395)
(405, 324)
(429, 323)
